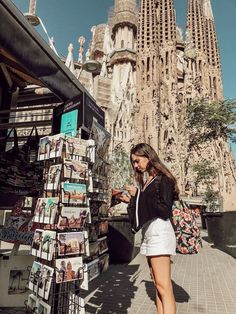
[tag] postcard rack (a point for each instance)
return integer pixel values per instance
(70, 242)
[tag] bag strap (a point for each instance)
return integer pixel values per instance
(16, 146)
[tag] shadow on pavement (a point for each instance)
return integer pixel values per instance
(113, 291)
(181, 295)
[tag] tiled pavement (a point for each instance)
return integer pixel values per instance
(203, 284)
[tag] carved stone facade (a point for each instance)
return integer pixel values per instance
(149, 72)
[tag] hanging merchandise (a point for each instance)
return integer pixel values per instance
(20, 172)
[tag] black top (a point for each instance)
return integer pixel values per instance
(155, 201)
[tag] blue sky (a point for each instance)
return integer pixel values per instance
(67, 20)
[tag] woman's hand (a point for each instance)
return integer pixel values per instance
(124, 198)
(132, 190)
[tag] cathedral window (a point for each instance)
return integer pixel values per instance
(122, 43)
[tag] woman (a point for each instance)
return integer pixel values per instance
(150, 208)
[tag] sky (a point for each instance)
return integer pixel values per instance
(67, 20)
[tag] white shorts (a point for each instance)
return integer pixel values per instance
(158, 238)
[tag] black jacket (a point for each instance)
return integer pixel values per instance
(155, 201)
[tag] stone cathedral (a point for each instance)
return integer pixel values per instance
(150, 70)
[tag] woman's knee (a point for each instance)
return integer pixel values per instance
(164, 288)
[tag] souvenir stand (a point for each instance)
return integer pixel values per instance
(70, 243)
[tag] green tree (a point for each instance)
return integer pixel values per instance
(211, 121)
(204, 172)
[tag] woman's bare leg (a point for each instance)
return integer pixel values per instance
(161, 273)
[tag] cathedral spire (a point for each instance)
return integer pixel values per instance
(207, 9)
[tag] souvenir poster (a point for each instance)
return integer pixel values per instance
(102, 139)
(103, 262)
(44, 148)
(102, 245)
(36, 247)
(46, 209)
(34, 277)
(69, 122)
(74, 193)
(18, 280)
(69, 269)
(56, 145)
(48, 242)
(73, 217)
(75, 147)
(76, 304)
(53, 177)
(75, 169)
(70, 243)
(45, 281)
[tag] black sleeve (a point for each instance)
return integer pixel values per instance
(166, 195)
(131, 210)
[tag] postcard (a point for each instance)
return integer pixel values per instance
(56, 145)
(71, 243)
(69, 269)
(102, 139)
(18, 280)
(75, 169)
(46, 209)
(73, 217)
(103, 262)
(44, 148)
(103, 227)
(75, 147)
(36, 246)
(43, 308)
(74, 193)
(34, 276)
(48, 242)
(84, 282)
(76, 304)
(32, 302)
(102, 245)
(45, 281)
(53, 177)
(94, 249)
(93, 269)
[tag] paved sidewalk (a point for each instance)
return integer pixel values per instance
(203, 284)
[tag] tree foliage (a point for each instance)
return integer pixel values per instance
(210, 121)
(204, 172)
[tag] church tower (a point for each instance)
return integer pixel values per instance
(146, 119)
(213, 54)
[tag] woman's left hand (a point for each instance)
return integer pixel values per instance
(132, 190)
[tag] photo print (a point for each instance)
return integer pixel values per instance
(102, 139)
(69, 269)
(18, 280)
(74, 193)
(75, 169)
(53, 177)
(102, 245)
(76, 304)
(45, 280)
(73, 217)
(71, 243)
(46, 209)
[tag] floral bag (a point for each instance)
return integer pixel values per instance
(188, 239)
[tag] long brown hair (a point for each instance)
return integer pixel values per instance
(155, 165)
